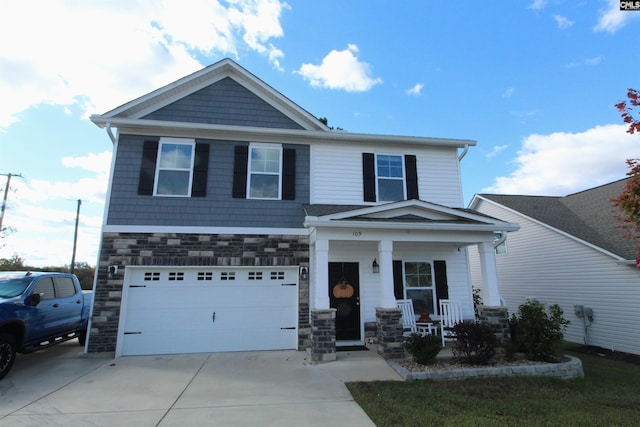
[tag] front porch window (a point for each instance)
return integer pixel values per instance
(419, 286)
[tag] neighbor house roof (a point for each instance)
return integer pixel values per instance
(587, 215)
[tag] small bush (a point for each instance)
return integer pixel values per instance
(424, 349)
(537, 333)
(475, 343)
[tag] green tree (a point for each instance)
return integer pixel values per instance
(12, 264)
(629, 200)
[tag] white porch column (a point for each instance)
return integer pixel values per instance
(385, 254)
(489, 274)
(319, 297)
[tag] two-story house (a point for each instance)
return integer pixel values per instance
(235, 220)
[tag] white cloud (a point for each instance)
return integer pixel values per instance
(101, 54)
(340, 70)
(562, 163)
(92, 162)
(611, 18)
(496, 149)
(563, 22)
(509, 92)
(415, 90)
(538, 4)
(585, 63)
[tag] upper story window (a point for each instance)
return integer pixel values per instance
(265, 172)
(390, 175)
(175, 167)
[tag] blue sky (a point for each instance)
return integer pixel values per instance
(533, 82)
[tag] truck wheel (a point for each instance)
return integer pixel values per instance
(7, 353)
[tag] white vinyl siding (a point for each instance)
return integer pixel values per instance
(547, 265)
(336, 173)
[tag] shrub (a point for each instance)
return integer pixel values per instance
(537, 333)
(423, 348)
(475, 343)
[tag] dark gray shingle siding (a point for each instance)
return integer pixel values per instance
(224, 103)
(217, 209)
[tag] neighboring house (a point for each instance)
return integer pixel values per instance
(235, 220)
(570, 251)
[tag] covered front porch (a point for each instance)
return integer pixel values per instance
(363, 259)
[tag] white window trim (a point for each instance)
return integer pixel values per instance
(433, 311)
(403, 179)
(249, 173)
(179, 141)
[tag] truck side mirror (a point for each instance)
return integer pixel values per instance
(34, 299)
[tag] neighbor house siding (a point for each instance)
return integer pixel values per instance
(217, 209)
(336, 175)
(224, 103)
(544, 264)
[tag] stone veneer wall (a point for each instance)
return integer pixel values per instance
(323, 335)
(498, 319)
(389, 333)
(173, 249)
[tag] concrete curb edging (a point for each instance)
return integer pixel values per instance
(570, 369)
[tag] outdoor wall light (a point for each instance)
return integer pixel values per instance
(375, 266)
(113, 270)
(304, 273)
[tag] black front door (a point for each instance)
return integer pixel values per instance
(344, 296)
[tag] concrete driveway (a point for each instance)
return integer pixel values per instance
(58, 386)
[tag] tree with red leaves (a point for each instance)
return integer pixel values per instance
(629, 200)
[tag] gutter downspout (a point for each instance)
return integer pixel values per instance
(464, 152)
(501, 240)
(110, 133)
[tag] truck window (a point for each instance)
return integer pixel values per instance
(45, 289)
(64, 287)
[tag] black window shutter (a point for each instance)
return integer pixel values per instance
(398, 280)
(148, 168)
(412, 176)
(442, 287)
(369, 177)
(241, 158)
(288, 174)
(200, 171)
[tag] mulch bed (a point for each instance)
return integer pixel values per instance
(608, 354)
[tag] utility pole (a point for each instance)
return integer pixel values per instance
(4, 197)
(75, 238)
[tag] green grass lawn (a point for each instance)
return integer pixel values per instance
(608, 395)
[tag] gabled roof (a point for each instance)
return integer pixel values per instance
(587, 215)
(138, 116)
(416, 214)
(226, 68)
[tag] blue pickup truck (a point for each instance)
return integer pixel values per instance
(38, 310)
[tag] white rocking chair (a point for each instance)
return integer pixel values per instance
(409, 325)
(450, 314)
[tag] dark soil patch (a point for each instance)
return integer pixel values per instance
(607, 354)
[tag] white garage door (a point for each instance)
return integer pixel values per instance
(193, 310)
